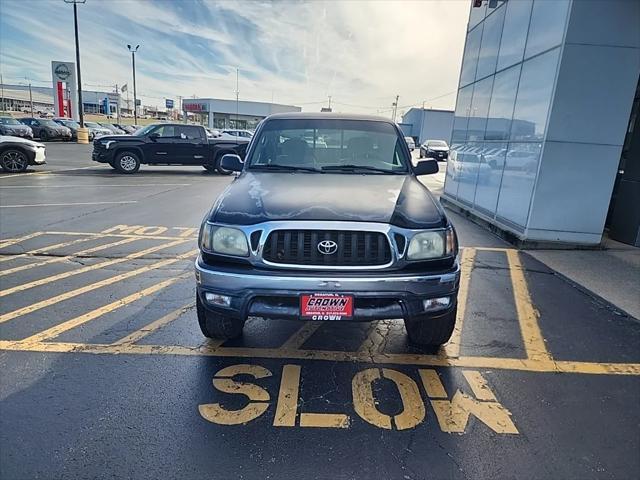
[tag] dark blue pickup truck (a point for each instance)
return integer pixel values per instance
(167, 144)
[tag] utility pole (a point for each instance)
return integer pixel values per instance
(30, 99)
(329, 102)
(118, 103)
(133, 51)
(237, 98)
(2, 86)
(395, 108)
(75, 26)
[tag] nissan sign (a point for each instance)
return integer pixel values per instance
(62, 71)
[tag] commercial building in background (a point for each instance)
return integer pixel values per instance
(544, 109)
(427, 124)
(220, 114)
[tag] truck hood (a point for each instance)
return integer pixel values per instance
(256, 197)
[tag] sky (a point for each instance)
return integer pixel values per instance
(361, 53)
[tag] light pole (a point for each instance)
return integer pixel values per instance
(75, 25)
(133, 51)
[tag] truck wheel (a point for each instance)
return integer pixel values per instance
(13, 161)
(221, 171)
(126, 162)
(428, 330)
(44, 136)
(217, 326)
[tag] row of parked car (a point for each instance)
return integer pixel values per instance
(59, 128)
(437, 149)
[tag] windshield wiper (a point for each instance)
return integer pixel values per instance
(355, 168)
(291, 168)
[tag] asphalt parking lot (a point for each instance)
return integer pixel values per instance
(105, 373)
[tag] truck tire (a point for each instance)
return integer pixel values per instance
(217, 326)
(429, 330)
(209, 168)
(222, 171)
(13, 160)
(126, 162)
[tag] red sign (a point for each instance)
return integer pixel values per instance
(195, 107)
(326, 306)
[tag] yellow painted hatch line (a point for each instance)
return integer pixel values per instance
(12, 241)
(121, 235)
(376, 337)
(67, 257)
(88, 268)
(92, 286)
(155, 325)
(45, 249)
(303, 334)
(467, 261)
(527, 315)
(98, 312)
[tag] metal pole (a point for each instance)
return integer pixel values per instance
(80, 105)
(2, 86)
(237, 97)
(118, 104)
(31, 99)
(135, 97)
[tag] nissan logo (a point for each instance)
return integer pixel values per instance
(62, 71)
(327, 247)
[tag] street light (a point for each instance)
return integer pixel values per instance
(75, 25)
(133, 51)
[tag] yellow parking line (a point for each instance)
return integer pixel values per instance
(46, 249)
(98, 312)
(155, 325)
(88, 268)
(518, 364)
(303, 334)
(467, 260)
(120, 235)
(527, 315)
(67, 257)
(376, 337)
(13, 241)
(92, 286)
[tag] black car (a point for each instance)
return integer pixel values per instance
(437, 149)
(328, 221)
(166, 144)
(46, 129)
(71, 125)
(12, 127)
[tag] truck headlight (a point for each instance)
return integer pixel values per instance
(432, 244)
(224, 240)
(107, 143)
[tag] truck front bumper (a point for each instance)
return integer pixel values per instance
(276, 294)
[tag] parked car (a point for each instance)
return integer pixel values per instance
(166, 144)
(410, 143)
(238, 133)
(126, 128)
(111, 127)
(71, 125)
(16, 154)
(12, 127)
(437, 149)
(96, 130)
(314, 218)
(46, 129)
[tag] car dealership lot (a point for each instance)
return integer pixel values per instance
(106, 374)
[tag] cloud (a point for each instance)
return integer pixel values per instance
(361, 53)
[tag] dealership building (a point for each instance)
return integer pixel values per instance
(546, 140)
(427, 124)
(221, 114)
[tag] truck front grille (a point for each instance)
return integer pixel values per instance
(352, 248)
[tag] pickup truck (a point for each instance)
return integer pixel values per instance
(167, 144)
(327, 221)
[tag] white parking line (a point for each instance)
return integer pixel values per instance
(66, 204)
(137, 185)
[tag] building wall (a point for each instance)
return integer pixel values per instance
(427, 124)
(544, 98)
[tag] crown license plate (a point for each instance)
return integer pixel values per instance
(326, 306)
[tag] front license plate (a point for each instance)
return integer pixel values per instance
(326, 306)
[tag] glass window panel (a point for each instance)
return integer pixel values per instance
(547, 25)
(461, 116)
(534, 97)
(466, 171)
(451, 178)
(503, 97)
(518, 178)
(514, 32)
(479, 109)
(491, 33)
(477, 14)
(490, 176)
(470, 59)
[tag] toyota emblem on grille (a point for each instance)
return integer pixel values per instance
(327, 247)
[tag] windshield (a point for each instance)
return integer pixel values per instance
(143, 131)
(47, 123)
(436, 143)
(9, 121)
(92, 125)
(359, 146)
(69, 123)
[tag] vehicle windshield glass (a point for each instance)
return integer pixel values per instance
(143, 131)
(9, 121)
(69, 123)
(329, 144)
(436, 143)
(47, 123)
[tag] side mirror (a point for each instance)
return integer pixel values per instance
(426, 167)
(232, 162)
(153, 136)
